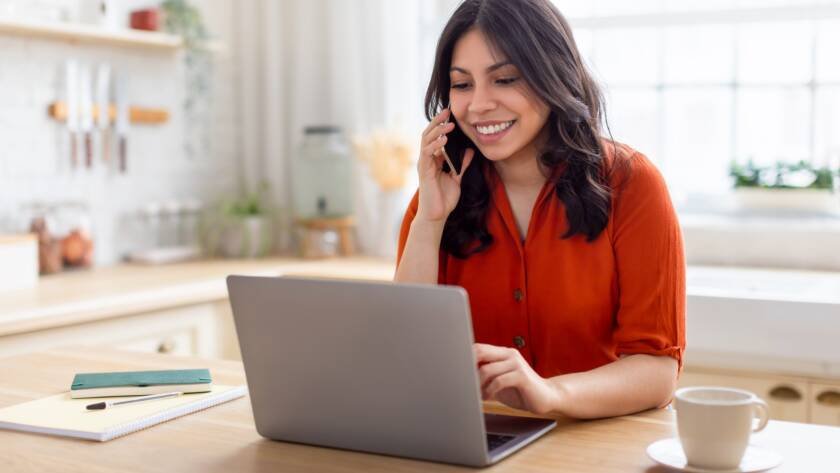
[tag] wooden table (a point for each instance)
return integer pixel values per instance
(223, 438)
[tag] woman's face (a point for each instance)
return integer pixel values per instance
(491, 101)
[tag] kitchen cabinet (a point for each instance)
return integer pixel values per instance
(825, 403)
(790, 398)
(195, 330)
(787, 397)
(181, 342)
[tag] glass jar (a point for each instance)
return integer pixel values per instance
(322, 175)
(74, 223)
(65, 234)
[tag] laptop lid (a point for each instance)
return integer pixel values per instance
(377, 367)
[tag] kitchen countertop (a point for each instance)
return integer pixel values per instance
(100, 293)
(764, 320)
(742, 239)
(773, 318)
(783, 285)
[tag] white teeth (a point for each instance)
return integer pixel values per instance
(493, 129)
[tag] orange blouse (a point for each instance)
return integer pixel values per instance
(570, 305)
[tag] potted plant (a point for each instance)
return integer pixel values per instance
(786, 186)
(240, 227)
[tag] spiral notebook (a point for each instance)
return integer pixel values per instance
(63, 415)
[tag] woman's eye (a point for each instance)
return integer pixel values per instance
(502, 81)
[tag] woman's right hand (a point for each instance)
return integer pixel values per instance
(439, 191)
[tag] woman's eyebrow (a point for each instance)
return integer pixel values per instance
(492, 68)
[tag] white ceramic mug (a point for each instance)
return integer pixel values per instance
(714, 424)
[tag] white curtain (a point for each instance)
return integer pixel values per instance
(353, 63)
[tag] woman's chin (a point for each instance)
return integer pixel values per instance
(495, 153)
(493, 156)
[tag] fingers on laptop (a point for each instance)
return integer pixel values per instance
(488, 371)
(485, 353)
(509, 379)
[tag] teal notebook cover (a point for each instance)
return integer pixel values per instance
(139, 378)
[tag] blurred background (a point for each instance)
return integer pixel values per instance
(136, 134)
(719, 94)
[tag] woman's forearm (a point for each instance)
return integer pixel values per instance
(419, 263)
(630, 384)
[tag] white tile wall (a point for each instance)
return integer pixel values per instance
(33, 162)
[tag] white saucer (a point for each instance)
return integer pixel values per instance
(669, 452)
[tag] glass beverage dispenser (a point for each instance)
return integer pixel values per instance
(322, 175)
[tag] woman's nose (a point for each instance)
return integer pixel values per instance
(481, 101)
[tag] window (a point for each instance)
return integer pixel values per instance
(695, 84)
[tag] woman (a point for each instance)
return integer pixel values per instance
(567, 243)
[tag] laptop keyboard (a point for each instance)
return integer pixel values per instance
(495, 441)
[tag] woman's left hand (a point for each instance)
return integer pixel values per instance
(506, 377)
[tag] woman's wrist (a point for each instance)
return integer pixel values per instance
(560, 397)
(428, 229)
(419, 263)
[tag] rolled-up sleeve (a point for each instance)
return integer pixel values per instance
(650, 264)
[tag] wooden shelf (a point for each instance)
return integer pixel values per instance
(90, 34)
(147, 116)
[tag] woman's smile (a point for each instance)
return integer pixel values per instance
(491, 132)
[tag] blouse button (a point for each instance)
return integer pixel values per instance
(519, 341)
(517, 295)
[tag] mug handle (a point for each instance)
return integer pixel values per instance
(763, 412)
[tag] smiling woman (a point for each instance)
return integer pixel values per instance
(492, 77)
(566, 242)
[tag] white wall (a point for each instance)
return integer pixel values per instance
(355, 64)
(33, 164)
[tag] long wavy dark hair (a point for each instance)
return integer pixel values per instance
(535, 37)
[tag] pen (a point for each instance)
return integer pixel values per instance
(151, 397)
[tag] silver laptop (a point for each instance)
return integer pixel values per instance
(375, 367)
